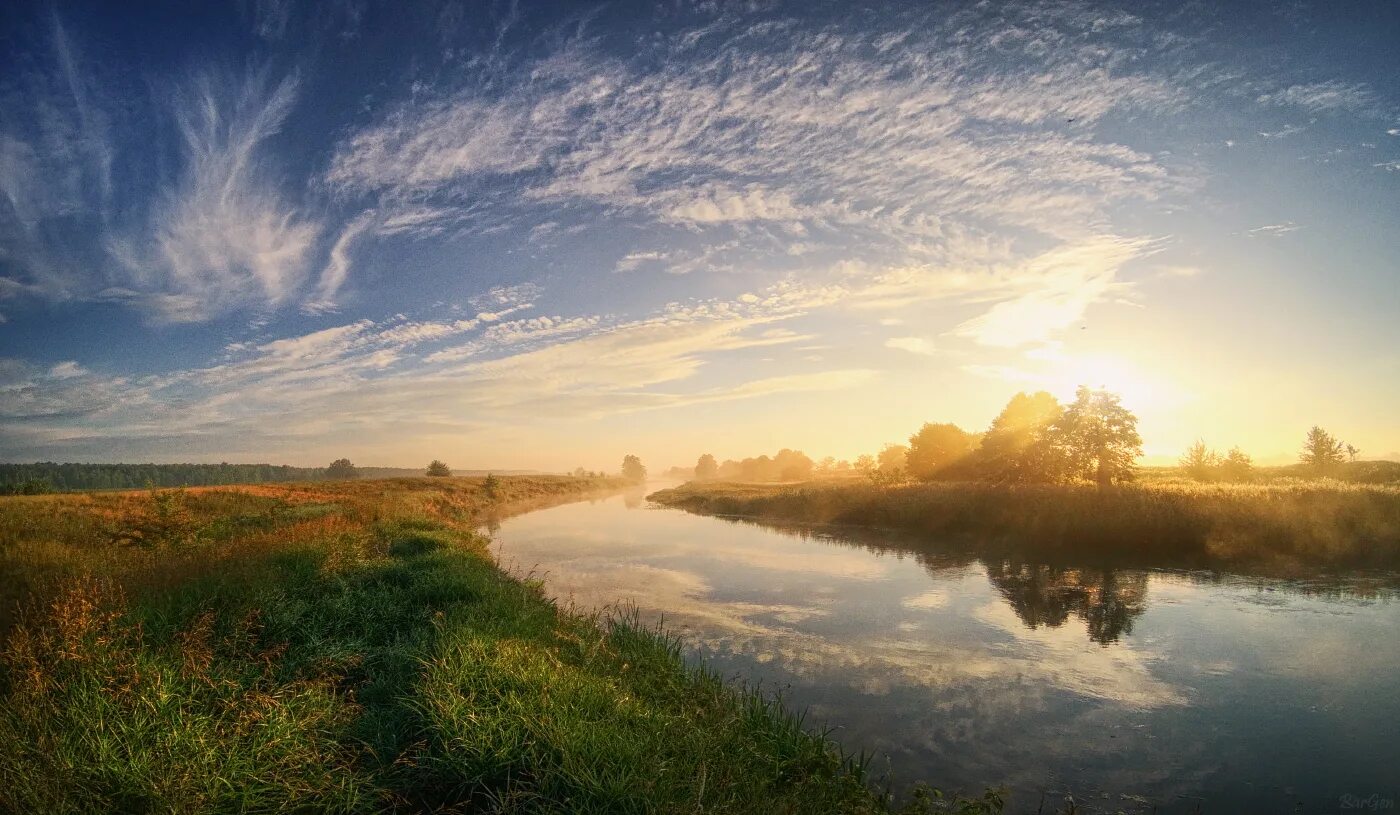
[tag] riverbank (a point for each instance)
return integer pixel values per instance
(1277, 529)
(352, 647)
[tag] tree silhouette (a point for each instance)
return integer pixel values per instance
(341, 468)
(706, 468)
(792, 465)
(1108, 601)
(1237, 466)
(892, 459)
(439, 469)
(1098, 437)
(632, 469)
(1322, 452)
(1016, 447)
(1200, 462)
(935, 447)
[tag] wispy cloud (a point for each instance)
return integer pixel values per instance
(914, 345)
(1273, 230)
(337, 268)
(1324, 97)
(454, 375)
(741, 124)
(56, 162)
(224, 236)
(1059, 286)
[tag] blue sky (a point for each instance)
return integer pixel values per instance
(543, 235)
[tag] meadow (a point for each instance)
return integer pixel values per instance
(1285, 527)
(351, 647)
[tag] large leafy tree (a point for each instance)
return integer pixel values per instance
(439, 469)
(792, 465)
(342, 468)
(1017, 446)
(632, 469)
(1097, 437)
(935, 447)
(893, 459)
(706, 468)
(1322, 451)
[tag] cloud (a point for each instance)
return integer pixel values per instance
(56, 163)
(1273, 230)
(720, 205)
(214, 235)
(1324, 97)
(223, 236)
(67, 370)
(337, 268)
(1059, 286)
(757, 125)
(914, 345)
(368, 377)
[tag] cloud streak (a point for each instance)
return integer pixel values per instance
(223, 236)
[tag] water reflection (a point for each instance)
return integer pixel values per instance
(1106, 600)
(1250, 693)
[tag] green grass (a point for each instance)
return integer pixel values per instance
(1284, 528)
(352, 648)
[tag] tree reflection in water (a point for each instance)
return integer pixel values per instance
(1107, 600)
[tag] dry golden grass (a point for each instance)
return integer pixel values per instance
(150, 539)
(1286, 526)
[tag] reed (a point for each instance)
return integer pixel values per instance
(1286, 527)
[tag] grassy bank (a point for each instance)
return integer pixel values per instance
(1280, 528)
(351, 647)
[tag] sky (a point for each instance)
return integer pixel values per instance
(545, 235)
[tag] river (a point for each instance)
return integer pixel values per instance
(1129, 689)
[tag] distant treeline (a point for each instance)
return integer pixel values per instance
(1037, 440)
(47, 476)
(19, 478)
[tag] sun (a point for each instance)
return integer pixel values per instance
(1138, 388)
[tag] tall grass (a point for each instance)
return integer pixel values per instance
(1284, 528)
(352, 648)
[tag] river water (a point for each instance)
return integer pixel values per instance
(1129, 689)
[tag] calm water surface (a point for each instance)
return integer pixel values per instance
(1130, 689)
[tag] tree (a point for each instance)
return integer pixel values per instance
(892, 459)
(935, 447)
(1200, 462)
(1237, 466)
(792, 465)
(706, 469)
(341, 468)
(1097, 437)
(1322, 452)
(1016, 447)
(632, 469)
(865, 463)
(491, 486)
(439, 469)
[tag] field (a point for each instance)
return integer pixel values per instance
(1287, 527)
(351, 647)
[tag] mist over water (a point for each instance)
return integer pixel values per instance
(1127, 688)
